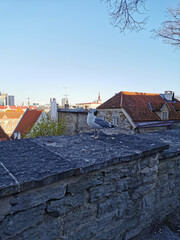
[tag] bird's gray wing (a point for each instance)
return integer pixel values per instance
(102, 123)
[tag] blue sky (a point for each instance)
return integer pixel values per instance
(46, 45)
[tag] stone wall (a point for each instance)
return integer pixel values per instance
(112, 199)
(108, 114)
(75, 122)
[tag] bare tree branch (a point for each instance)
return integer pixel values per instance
(170, 30)
(124, 14)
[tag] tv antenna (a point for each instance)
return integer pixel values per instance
(66, 95)
(28, 101)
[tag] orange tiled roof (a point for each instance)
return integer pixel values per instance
(3, 107)
(17, 107)
(156, 106)
(176, 106)
(28, 120)
(137, 105)
(10, 115)
(3, 135)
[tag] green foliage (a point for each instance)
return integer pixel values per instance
(47, 128)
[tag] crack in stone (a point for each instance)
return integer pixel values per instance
(12, 176)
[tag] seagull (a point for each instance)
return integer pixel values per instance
(96, 123)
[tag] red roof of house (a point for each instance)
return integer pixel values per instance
(3, 135)
(11, 115)
(176, 106)
(3, 107)
(14, 108)
(141, 106)
(28, 120)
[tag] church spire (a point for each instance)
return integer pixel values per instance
(99, 97)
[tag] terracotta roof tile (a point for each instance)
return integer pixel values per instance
(176, 106)
(28, 120)
(10, 115)
(3, 107)
(156, 106)
(140, 106)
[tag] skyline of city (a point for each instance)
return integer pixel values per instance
(47, 46)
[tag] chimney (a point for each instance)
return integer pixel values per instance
(169, 95)
(53, 111)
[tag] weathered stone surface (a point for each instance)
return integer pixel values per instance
(114, 204)
(7, 183)
(79, 216)
(59, 207)
(84, 182)
(112, 188)
(5, 207)
(36, 197)
(46, 160)
(163, 233)
(17, 223)
(99, 192)
(142, 190)
(50, 229)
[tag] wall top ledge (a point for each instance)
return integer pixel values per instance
(29, 163)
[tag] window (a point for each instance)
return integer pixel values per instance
(164, 115)
(115, 121)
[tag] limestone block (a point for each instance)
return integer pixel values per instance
(26, 200)
(68, 203)
(19, 222)
(99, 192)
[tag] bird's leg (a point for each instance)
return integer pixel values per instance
(97, 134)
(94, 134)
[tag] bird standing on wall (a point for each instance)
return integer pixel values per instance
(96, 123)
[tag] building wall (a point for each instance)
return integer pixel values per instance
(115, 202)
(9, 124)
(165, 108)
(11, 100)
(93, 105)
(108, 114)
(75, 122)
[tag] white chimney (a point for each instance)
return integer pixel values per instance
(53, 111)
(169, 95)
(17, 135)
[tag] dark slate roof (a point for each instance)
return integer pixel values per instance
(76, 110)
(141, 106)
(27, 163)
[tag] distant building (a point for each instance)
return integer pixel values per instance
(53, 110)
(142, 111)
(6, 100)
(30, 118)
(93, 105)
(3, 135)
(3, 99)
(64, 102)
(9, 121)
(11, 100)
(75, 120)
